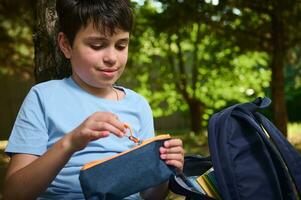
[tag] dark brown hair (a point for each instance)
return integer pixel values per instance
(106, 16)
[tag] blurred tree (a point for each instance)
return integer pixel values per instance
(49, 62)
(183, 64)
(272, 26)
(16, 37)
(293, 85)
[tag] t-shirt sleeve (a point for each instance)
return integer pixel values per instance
(147, 121)
(29, 134)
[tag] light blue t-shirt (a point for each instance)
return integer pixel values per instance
(54, 108)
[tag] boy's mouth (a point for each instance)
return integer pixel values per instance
(106, 69)
(108, 72)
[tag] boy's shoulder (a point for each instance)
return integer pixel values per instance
(50, 88)
(51, 85)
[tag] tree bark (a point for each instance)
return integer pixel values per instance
(279, 109)
(49, 61)
(196, 109)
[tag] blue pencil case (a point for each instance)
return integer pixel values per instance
(126, 173)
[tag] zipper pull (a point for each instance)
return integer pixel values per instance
(131, 137)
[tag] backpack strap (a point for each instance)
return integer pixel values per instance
(258, 103)
(290, 156)
(235, 152)
(281, 173)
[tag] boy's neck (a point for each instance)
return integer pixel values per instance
(106, 93)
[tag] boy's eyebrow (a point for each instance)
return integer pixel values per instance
(126, 40)
(98, 39)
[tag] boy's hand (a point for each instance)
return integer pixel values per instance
(98, 125)
(173, 153)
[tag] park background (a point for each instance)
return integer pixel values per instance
(189, 58)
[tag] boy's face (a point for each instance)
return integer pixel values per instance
(98, 60)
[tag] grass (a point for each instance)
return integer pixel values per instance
(294, 135)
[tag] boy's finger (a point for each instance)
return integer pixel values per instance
(177, 149)
(118, 124)
(173, 143)
(177, 157)
(104, 126)
(175, 163)
(94, 135)
(109, 118)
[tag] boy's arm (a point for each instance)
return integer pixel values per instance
(28, 175)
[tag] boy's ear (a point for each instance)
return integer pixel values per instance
(64, 45)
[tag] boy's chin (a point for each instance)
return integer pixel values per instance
(104, 85)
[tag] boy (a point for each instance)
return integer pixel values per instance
(64, 124)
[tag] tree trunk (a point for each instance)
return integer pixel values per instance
(49, 62)
(279, 110)
(196, 109)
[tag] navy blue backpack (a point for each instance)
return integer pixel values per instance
(252, 160)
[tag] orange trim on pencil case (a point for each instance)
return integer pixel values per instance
(145, 142)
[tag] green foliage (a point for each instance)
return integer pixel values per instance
(16, 38)
(293, 91)
(214, 69)
(293, 73)
(215, 54)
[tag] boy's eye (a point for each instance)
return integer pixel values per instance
(121, 46)
(97, 46)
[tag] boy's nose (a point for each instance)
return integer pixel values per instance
(110, 58)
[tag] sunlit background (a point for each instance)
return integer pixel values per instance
(190, 59)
